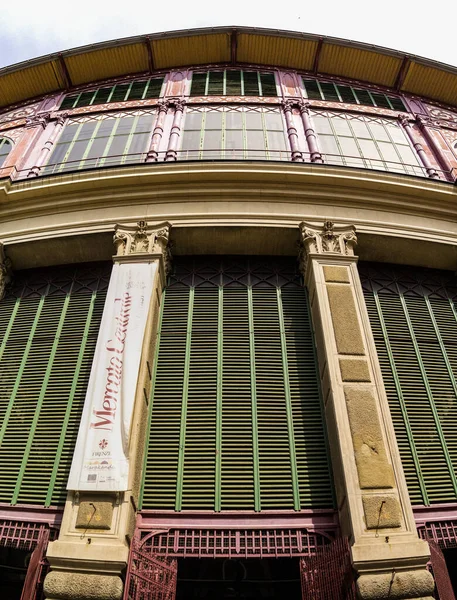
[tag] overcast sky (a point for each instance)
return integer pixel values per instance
(31, 29)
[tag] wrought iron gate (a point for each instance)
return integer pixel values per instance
(325, 564)
(328, 575)
(33, 537)
(150, 576)
(440, 572)
(440, 535)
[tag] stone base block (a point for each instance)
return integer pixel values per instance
(63, 585)
(401, 585)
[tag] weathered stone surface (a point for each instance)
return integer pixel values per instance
(96, 514)
(399, 585)
(381, 511)
(61, 585)
(373, 468)
(344, 317)
(336, 274)
(353, 369)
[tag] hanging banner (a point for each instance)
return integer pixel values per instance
(100, 461)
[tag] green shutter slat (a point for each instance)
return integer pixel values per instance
(7, 322)
(290, 419)
(36, 372)
(44, 383)
(254, 412)
(235, 398)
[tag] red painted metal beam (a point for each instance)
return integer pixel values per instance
(402, 73)
(64, 72)
(233, 46)
(317, 56)
(147, 42)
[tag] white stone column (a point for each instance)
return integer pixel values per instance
(373, 502)
(92, 550)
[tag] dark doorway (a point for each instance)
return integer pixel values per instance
(251, 579)
(13, 569)
(450, 556)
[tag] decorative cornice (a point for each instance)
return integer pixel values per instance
(142, 241)
(5, 271)
(331, 239)
(37, 120)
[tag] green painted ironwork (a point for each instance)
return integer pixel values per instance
(255, 430)
(290, 420)
(21, 370)
(219, 391)
(66, 419)
(185, 397)
(39, 403)
(151, 395)
(401, 400)
(9, 326)
(430, 395)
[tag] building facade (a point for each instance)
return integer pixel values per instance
(228, 365)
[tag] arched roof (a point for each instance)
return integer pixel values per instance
(230, 45)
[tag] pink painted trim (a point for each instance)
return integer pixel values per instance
(437, 512)
(37, 514)
(312, 520)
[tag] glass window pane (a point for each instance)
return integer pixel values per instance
(216, 83)
(144, 123)
(251, 83)
(397, 103)
(369, 149)
(198, 84)
(191, 140)
(379, 132)
(407, 155)
(273, 121)
(119, 92)
(85, 98)
(389, 154)
(253, 120)
(125, 125)
(68, 102)
(255, 140)
(330, 149)
(106, 127)
(77, 153)
(117, 145)
(346, 93)
(213, 139)
(233, 83)
(137, 90)
(268, 83)
(380, 100)
(234, 144)
(97, 148)
(87, 130)
(102, 95)
(322, 124)
(276, 140)
(138, 145)
(312, 89)
(233, 120)
(329, 91)
(364, 97)
(59, 153)
(154, 88)
(348, 147)
(360, 129)
(397, 133)
(341, 126)
(69, 132)
(193, 121)
(213, 120)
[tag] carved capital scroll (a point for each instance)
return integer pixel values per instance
(329, 239)
(142, 239)
(5, 271)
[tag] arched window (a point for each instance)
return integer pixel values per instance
(5, 148)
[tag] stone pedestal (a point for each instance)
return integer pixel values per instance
(373, 502)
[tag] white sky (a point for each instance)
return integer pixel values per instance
(33, 29)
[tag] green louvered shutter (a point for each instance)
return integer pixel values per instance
(48, 329)
(235, 419)
(414, 322)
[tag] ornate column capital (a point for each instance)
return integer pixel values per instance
(304, 107)
(5, 271)
(37, 120)
(288, 105)
(163, 106)
(178, 103)
(404, 120)
(140, 242)
(331, 239)
(61, 118)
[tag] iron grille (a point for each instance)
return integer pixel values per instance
(22, 535)
(226, 543)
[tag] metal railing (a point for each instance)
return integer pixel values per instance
(232, 154)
